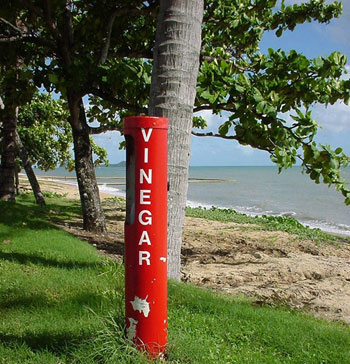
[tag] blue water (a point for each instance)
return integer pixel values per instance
(255, 191)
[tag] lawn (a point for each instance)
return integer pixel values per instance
(60, 302)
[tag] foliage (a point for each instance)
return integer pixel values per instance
(63, 303)
(43, 129)
(111, 61)
(259, 91)
(46, 135)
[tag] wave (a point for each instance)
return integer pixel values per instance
(111, 190)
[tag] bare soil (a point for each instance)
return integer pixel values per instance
(270, 267)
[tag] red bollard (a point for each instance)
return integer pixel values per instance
(146, 233)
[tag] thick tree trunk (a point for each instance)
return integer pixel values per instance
(39, 198)
(8, 153)
(93, 214)
(173, 91)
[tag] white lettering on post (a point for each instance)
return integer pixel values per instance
(146, 176)
(145, 238)
(144, 256)
(147, 220)
(145, 216)
(145, 195)
(145, 157)
(146, 136)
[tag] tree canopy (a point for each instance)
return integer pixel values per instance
(107, 54)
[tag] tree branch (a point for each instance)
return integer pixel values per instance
(68, 23)
(29, 39)
(12, 26)
(210, 134)
(122, 104)
(128, 53)
(107, 39)
(104, 129)
(212, 107)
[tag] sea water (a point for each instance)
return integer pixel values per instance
(254, 191)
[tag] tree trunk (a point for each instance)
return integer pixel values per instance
(8, 153)
(173, 91)
(16, 180)
(39, 198)
(93, 214)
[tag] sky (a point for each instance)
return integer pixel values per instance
(312, 40)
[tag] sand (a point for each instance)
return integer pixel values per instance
(271, 268)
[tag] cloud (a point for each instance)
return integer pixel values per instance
(338, 29)
(335, 118)
(213, 121)
(110, 141)
(246, 150)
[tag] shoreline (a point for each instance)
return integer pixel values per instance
(50, 184)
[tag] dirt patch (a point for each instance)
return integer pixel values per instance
(270, 267)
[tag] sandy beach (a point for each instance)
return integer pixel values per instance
(269, 267)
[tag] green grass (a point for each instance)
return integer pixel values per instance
(60, 302)
(264, 222)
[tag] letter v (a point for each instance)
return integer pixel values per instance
(146, 137)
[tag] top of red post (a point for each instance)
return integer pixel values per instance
(154, 122)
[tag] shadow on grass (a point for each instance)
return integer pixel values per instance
(57, 214)
(42, 261)
(42, 301)
(55, 343)
(25, 216)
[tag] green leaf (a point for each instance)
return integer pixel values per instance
(279, 32)
(260, 107)
(338, 150)
(223, 129)
(257, 95)
(53, 78)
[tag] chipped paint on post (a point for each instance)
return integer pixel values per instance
(131, 329)
(138, 304)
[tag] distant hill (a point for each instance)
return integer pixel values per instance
(120, 164)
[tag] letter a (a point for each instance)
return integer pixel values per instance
(145, 238)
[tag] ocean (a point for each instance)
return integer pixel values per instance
(251, 190)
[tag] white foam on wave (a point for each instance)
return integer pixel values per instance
(341, 229)
(195, 204)
(111, 190)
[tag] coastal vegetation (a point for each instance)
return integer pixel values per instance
(60, 302)
(265, 222)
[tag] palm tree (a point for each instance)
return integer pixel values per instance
(173, 91)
